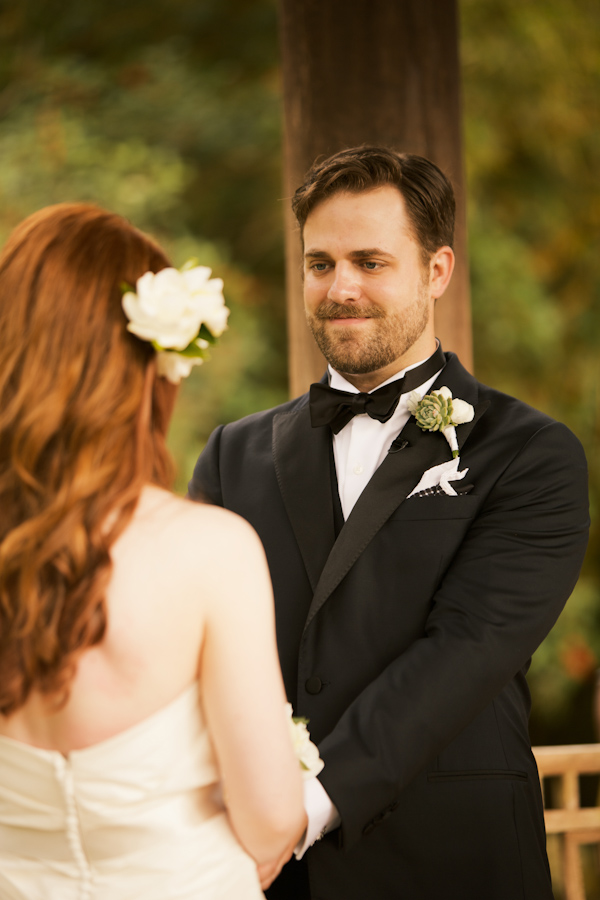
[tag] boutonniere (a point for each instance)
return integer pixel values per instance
(440, 411)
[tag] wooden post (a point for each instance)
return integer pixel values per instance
(377, 72)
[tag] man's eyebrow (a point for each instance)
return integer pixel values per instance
(354, 254)
(370, 251)
(316, 254)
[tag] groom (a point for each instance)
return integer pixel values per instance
(411, 585)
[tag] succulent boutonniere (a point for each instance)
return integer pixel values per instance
(439, 411)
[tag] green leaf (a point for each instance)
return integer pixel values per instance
(206, 334)
(193, 351)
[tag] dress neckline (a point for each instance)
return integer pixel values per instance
(182, 699)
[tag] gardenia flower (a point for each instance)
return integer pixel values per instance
(306, 752)
(169, 307)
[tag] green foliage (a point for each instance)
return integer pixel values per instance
(531, 74)
(569, 656)
(168, 113)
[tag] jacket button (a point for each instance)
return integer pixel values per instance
(313, 685)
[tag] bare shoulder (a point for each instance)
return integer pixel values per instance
(197, 531)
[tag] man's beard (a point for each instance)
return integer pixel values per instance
(352, 353)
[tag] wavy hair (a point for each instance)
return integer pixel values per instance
(82, 429)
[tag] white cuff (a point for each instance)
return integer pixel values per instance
(322, 815)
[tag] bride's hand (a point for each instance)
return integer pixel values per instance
(268, 871)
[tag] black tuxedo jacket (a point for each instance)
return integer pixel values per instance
(406, 640)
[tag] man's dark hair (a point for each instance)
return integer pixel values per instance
(427, 193)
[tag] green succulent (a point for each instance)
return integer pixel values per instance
(434, 412)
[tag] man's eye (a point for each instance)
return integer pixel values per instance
(371, 265)
(319, 266)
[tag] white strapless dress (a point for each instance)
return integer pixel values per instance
(131, 818)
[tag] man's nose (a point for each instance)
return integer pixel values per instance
(344, 286)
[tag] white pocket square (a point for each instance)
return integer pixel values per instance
(441, 475)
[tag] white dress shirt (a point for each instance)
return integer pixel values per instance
(359, 449)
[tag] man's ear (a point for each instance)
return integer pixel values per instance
(441, 266)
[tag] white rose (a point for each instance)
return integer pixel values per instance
(306, 752)
(462, 412)
(169, 307)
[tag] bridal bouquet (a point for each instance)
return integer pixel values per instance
(306, 752)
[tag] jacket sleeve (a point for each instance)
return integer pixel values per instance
(205, 484)
(500, 596)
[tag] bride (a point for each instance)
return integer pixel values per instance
(138, 667)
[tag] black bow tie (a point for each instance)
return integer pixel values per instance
(329, 406)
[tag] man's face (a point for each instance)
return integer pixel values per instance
(367, 291)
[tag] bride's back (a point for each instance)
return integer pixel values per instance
(106, 578)
(132, 622)
(160, 592)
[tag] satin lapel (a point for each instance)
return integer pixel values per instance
(395, 478)
(302, 464)
(465, 387)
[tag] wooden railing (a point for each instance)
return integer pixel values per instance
(575, 824)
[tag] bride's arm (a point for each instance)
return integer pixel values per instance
(244, 696)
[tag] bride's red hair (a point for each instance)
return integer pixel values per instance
(82, 429)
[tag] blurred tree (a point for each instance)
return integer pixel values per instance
(168, 111)
(531, 85)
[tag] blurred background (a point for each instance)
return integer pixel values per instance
(169, 112)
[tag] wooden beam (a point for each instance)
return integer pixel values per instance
(379, 72)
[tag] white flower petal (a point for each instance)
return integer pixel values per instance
(216, 322)
(214, 286)
(197, 278)
(413, 401)
(129, 302)
(444, 392)
(168, 279)
(462, 412)
(174, 366)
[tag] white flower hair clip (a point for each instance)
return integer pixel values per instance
(180, 312)
(439, 411)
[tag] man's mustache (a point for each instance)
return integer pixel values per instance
(333, 310)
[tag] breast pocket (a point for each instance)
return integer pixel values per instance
(437, 506)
